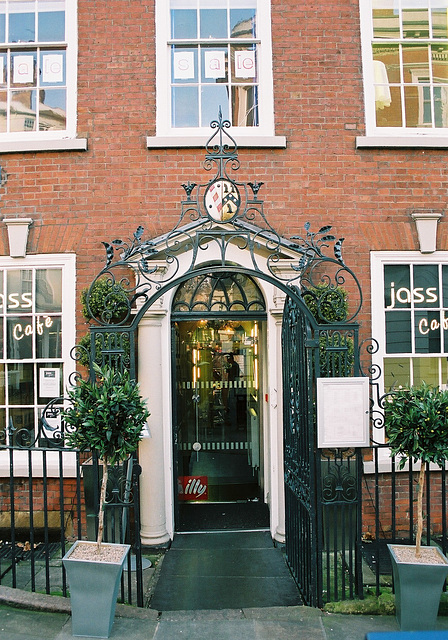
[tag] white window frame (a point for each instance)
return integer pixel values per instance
(388, 136)
(377, 261)
(262, 135)
(67, 262)
(59, 139)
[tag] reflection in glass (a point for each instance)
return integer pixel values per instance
(415, 20)
(439, 10)
(183, 23)
(245, 106)
(48, 337)
(51, 21)
(415, 63)
(396, 373)
(398, 332)
(386, 19)
(213, 97)
(427, 370)
(427, 332)
(213, 23)
(413, 106)
(21, 383)
(439, 61)
(23, 111)
(23, 423)
(2, 386)
(2, 27)
(21, 21)
(48, 290)
(20, 337)
(185, 104)
(3, 111)
(389, 57)
(243, 23)
(52, 109)
(426, 282)
(19, 287)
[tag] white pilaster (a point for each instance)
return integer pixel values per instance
(153, 378)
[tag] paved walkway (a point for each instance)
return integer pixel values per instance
(31, 616)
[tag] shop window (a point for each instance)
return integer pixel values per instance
(410, 318)
(37, 69)
(36, 335)
(214, 55)
(405, 63)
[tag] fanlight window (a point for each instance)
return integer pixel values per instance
(223, 293)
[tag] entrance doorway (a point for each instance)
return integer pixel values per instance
(218, 435)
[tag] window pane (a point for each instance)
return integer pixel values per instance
(20, 337)
(243, 23)
(415, 63)
(184, 23)
(245, 106)
(24, 429)
(52, 109)
(213, 97)
(387, 67)
(49, 382)
(397, 284)
(2, 27)
(48, 290)
(414, 106)
(426, 286)
(244, 64)
(439, 61)
(184, 64)
(23, 69)
(214, 62)
(415, 19)
(51, 20)
(398, 332)
(386, 19)
(52, 68)
(426, 370)
(19, 283)
(213, 23)
(388, 115)
(21, 21)
(2, 388)
(427, 332)
(185, 106)
(445, 284)
(396, 373)
(48, 337)
(21, 383)
(439, 18)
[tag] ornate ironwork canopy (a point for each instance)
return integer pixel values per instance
(230, 215)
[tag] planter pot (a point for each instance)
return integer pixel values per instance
(418, 587)
(94, 588)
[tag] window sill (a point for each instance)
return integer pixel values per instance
(403, 142)
(67, 144)
(167, 142)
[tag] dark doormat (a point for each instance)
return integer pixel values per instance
(223, 516)
(232, 570)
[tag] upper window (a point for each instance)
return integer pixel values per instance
(212, 54)
(37, 69)
(405, 58)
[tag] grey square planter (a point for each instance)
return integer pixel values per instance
(93, 591)
(418, 588)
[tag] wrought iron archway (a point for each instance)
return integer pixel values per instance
(320, 338)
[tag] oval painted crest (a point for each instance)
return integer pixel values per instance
(222, 200)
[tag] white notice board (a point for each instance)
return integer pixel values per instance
(342, 412)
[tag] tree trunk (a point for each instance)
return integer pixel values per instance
(102, 502)
(421, 486)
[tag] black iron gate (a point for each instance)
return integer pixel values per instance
(322, 486)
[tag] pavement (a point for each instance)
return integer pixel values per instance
(31, 616)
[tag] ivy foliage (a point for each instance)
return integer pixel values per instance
(416, 424)
(106, 415)
(329, 305)
(104, 297)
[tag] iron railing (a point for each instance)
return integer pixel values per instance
(49, 500)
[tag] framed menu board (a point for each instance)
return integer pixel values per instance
(343, 412)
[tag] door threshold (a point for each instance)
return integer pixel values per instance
(189, 533)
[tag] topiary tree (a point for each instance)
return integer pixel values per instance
(106, 416)
(416, 424)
